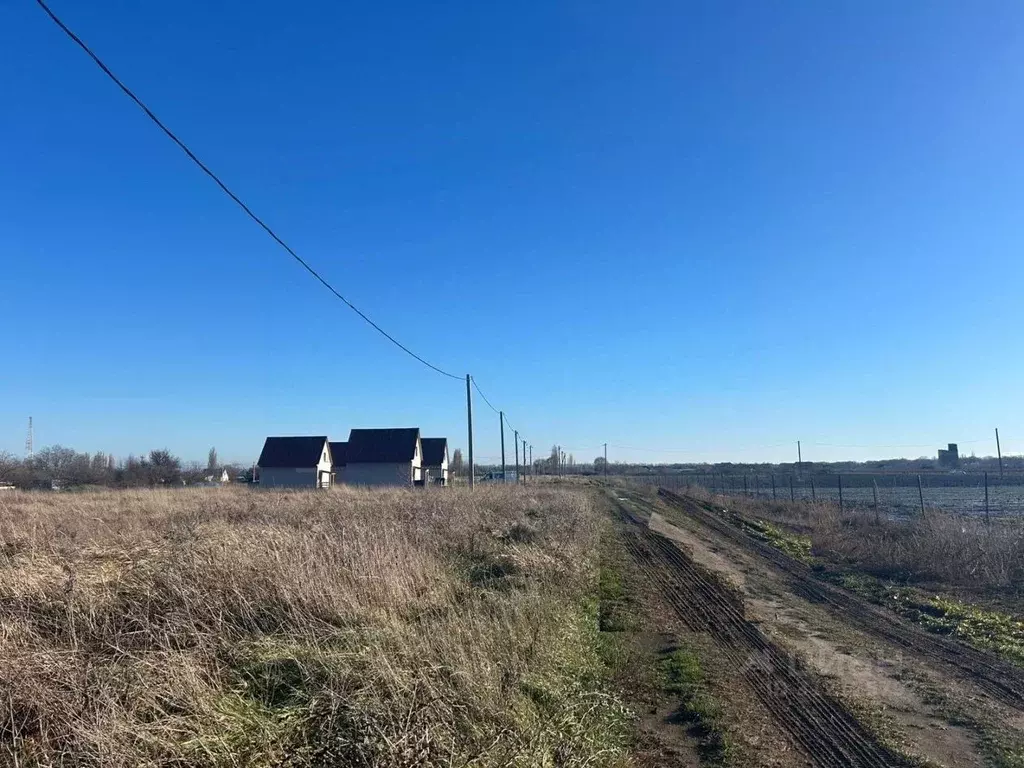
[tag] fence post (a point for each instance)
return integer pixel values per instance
(920, 494)
(987, 519)
(874, 486)
(792, 493)
(814, 494)
(840, 493)
(774, 497)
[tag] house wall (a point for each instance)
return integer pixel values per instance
(400, 474)
(285, 477)
(436, 471)
(299, 477)
(417, 460)
(323, 469)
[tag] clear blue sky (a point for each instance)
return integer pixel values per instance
(717, 227)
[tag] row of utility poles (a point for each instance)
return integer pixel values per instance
(501, 418)
(516, 439)
(527, 448)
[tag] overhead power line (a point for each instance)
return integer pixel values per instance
(481, 393)
(250, 213)
(205, 169)
(491, 406)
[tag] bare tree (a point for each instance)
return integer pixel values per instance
(11, 469)
(54, 466)
(457, 464)
(194, 472)
(554, 460)
(211, 460)
(165, 467)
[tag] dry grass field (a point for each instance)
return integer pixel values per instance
(223, 627)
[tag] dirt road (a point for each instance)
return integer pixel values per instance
(851, 684)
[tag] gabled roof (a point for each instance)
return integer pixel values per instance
(434, 450)
(379, 446)
(292, 451)
(338, 453)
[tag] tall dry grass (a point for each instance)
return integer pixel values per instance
(943, 547)
(221, 627)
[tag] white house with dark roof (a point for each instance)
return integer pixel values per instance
(384, 457)
(435, 460)
(295, 462)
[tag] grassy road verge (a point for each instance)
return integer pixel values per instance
(950, 574)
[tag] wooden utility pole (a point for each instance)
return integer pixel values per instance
(799, 457)
(920, 494)
(606, 459)
(774, 497)
(531, 455)
(840, 493)
(525, 465)
(469, 421)
(517, 454)
(999, 451)
(501, 415)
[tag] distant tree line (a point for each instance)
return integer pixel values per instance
(968, 464)
(57, 467)
(559, 462)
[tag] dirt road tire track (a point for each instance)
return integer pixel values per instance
(1002, 680)
(831, 736)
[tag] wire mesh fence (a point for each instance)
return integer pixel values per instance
(895, 493)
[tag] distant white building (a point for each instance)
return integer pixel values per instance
(295, 462)
(384, 457)
(435, 460)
